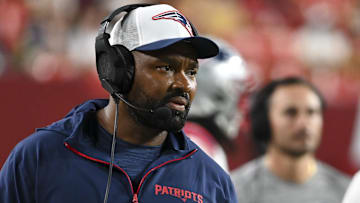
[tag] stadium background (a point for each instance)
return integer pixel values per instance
(47, 60)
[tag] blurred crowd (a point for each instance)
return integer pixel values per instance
(318, 39)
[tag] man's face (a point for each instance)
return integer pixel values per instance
(164, 78)
(295, 119)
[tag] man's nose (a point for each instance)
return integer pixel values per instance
(303, 120)
(182, 81)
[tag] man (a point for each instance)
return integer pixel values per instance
(215, 116)
(287, 118)
(129, 148)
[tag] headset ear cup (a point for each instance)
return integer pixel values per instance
(123, 68)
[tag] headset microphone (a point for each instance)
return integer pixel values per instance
(119, 96)
(162, 113)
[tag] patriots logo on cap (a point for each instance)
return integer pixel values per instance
(176, 16)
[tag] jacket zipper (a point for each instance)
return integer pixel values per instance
(157, 167)
(135, 199)
(135, 194)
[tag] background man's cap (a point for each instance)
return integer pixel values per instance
(156, 27)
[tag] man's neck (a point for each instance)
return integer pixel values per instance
(294, 169)
(128, 130)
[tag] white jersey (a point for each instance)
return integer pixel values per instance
(352, 194)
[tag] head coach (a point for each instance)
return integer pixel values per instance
(130, 147)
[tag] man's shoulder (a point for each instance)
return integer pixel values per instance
(205, 158)
(247, 172)
(210, 173)
(40, 139)
(206, 163)
(41, 145)
(333, 175)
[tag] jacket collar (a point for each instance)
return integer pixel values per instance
(83, 133)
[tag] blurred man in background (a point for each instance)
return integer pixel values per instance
(287, 119)
(215, 117)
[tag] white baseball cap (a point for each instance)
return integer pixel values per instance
(158, 26)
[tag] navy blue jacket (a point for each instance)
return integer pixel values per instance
(62, 163)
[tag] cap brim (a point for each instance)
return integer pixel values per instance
(204, 47)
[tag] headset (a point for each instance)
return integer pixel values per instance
(115, 64)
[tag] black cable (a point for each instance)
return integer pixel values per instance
(112, 153)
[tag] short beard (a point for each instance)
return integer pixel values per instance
(294, 153)
(173, 123)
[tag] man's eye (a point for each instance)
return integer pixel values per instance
(163, 68)
(192, 72)
(291, 112)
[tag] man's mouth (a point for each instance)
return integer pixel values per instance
(302, 135)
(178, 103)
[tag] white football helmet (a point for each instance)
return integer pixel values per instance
(221, 80)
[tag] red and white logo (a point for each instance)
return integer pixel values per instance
(182, 194)
(176, 16)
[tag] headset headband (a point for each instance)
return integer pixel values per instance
(104, 23)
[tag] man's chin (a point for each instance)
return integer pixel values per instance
(296, 153)
(173, 124)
